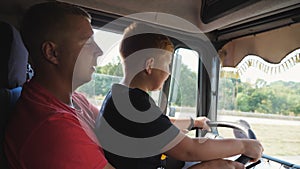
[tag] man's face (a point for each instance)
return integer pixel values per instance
(78, 51)
(86, 62)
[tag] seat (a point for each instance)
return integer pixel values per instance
(13, 66)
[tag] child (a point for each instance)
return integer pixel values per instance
(137, 132)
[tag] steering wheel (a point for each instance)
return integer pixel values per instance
(241, 130)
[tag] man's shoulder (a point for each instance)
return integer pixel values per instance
(79, 95)
(81, 99)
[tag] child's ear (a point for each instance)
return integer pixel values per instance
(149, 65)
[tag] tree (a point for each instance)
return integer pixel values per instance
(296, 109)
(111, 69)
(100, 85)
(242, 103)
(187, 95)
(102, 80)
(275, 98)
(227, 95)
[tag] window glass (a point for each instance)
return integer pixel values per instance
(268, 97)
(182, 99)
(183, 85)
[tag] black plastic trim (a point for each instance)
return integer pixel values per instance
(214, 9)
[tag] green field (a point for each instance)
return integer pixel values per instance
(279, 135)
(278, 140)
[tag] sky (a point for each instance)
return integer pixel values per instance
(109, 44)
(290, 75)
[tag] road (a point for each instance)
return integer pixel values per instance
(254, 120)
(251, 120)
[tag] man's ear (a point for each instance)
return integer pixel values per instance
(149, 65)
(49, 52)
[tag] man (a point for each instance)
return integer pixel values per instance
(52, 126)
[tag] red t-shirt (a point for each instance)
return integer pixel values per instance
(45, 133)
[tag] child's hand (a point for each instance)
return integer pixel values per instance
(200, 122)
(252, 149)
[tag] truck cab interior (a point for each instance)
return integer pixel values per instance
(221, 33)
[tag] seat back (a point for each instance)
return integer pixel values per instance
(13, 65)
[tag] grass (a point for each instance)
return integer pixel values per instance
(278, 140)
(282, 141)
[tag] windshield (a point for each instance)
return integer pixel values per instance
(267, 96)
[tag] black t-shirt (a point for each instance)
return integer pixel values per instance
(132, 130)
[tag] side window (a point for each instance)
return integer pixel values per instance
(183, 86)
(267, 97)
(108, 70)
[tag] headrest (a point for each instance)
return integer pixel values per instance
(13, 57)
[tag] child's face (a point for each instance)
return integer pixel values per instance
(161, 70)
(163, 61)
